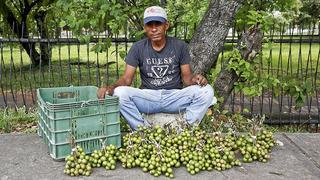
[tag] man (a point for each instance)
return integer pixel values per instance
(164, 64)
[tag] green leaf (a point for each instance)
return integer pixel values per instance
(224, 112)
(122, 54)
(246, 90)
(299, 101)
(85, 39)
(62, 23)
(108, 42)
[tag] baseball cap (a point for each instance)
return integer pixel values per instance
(154, 13)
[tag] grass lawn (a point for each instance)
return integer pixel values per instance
(70, 65)
(19, 121)
(77, 65)
(278, 60)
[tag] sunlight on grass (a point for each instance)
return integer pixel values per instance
(70, 65)
(278, 60)
(74, 53)
(77, 65)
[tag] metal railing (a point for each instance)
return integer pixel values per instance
(294, 54)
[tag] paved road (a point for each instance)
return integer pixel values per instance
(25, 157)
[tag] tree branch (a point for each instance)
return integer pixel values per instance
(34, 3)
(249, 46)
(26, 5)
(10, 19)
(8, 16)
(15, 5)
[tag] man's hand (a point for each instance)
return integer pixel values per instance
(190, 79)
(124, 80)
(102, 91)
(200, 80)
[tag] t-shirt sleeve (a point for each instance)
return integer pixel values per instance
(185, 57)
(132, 57)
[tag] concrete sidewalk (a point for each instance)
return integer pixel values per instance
(25, 157)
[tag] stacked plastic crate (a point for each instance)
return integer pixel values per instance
(72, 116)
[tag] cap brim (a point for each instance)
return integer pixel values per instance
(154, 18)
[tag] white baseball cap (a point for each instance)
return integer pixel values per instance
(154, 13)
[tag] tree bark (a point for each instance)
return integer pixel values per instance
(208, 40)
(249, 46)
(43, 30)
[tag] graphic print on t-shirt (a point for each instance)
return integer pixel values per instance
(160, 71)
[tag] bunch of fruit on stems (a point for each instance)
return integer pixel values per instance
(159, 151)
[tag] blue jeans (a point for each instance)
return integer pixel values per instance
(193, 101)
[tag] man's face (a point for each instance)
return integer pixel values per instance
(156, 30)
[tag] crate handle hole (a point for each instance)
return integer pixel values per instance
(66, 95)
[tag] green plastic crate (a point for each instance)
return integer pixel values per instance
(75, 115)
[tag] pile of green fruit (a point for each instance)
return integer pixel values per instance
(78, 163)
(159, 151)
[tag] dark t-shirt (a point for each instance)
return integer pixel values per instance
(159, 70)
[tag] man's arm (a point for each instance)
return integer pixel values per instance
(125, 80)
(189, 79)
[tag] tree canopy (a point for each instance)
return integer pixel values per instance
(86, 18)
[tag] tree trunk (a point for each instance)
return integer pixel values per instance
(249, 46)
(43, 30)
(57, 31)
(208, 39)
(30, 49)
(20, 29)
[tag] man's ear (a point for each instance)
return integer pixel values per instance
(167, 24)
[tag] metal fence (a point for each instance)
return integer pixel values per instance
(294, 54)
